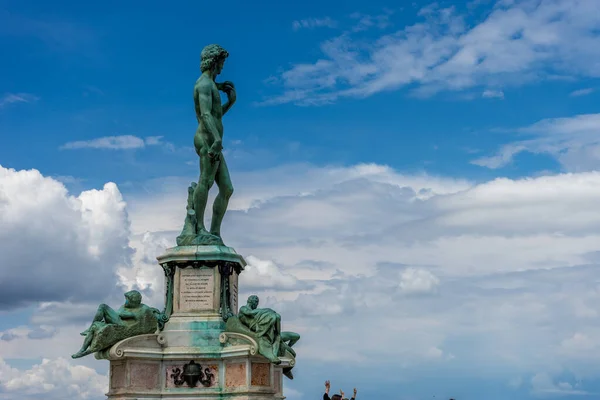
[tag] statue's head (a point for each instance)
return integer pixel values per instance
(133, 299)
(213, 57)
(253, 301)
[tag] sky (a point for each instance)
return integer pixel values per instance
(416, 185)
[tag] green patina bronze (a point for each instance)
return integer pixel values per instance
(264, 326)
(110, 327)
(208, 142)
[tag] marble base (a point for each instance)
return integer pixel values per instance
(145, 367)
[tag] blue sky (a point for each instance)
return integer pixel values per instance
(425, 170)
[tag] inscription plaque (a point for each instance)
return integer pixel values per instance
(196, 289)
(233, 292)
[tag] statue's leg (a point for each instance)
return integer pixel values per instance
(223, 181)
(86, 343)
(276, 347)
(278, 324)
(208, 169)
(290, 337)
(111, 316)
(104, 313)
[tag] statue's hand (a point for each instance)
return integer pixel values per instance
(229, 88)
(215, 150)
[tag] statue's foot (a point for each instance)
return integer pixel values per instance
(85, 333)
(203, 238)
(79, 354)
(288, 373)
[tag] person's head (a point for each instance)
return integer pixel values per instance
(336, 397)
(212, 58)
(133, 299)
(253, 301)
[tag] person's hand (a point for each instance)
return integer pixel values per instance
(342, 393)
(327, 384)
(215, 150)
(354, 392)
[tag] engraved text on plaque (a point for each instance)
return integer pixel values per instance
(196, 287)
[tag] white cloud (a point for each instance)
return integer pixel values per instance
(366, 21)
(572, 141)
(544, 386)
(123, 142)
(37, 332)
(582, 92)
(512, 263)
(55, 379)
(311, 23)
(515, 43)
(12, 98)
(416, 280)
(163, 208)
(264, 274)
(56, 246)
(492, 94)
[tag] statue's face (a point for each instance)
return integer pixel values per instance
(219, 66)
(253, 304)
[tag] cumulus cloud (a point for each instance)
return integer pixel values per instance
(52, 380)
(264, 274)
(124, 142)
(515, 43)
(572, 141)
(163, 208)
(415, 281)
(36, 332)
(54, 245)
(512, 263)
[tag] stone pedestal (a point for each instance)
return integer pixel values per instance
(192, 357)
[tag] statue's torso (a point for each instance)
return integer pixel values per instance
(203, 135)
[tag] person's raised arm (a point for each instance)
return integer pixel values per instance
(354, 395)
(326, 394)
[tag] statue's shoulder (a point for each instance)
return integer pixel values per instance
(204, 84)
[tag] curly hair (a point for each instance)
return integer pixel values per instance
(210, 55)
